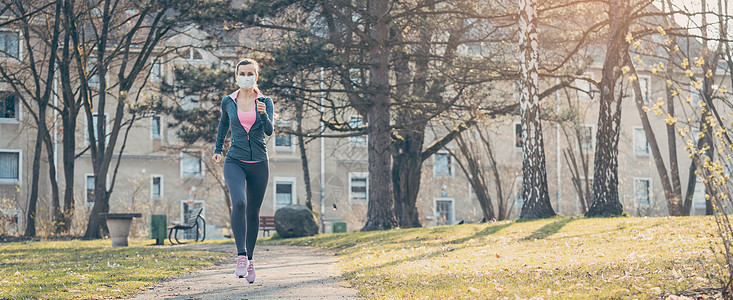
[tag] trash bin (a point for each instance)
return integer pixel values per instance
(158, 226)
(339, 227)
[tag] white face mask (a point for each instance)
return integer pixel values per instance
(246, 82)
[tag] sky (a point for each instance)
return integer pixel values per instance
(696, 6)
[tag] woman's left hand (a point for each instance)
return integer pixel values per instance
(261, 108)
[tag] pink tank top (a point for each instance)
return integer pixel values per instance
(247, 118)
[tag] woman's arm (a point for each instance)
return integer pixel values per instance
(267, 118)
(221, 132)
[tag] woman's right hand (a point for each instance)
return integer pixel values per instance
(216, 158)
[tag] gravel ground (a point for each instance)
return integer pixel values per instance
(283, 272)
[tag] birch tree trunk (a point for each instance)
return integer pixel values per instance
(534, 181)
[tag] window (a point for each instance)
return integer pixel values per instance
(698, 198)
(355, 76)
(518, 198)
(474, 135)
(89, 187)
(475, 48)
(695, 96)
(10, 44)
(585, 89)
(9, 106)
(359, 188)
(444, 212)
(644, 83)
(156, 187)
(284, 191)
(227, 65)
(10, 170)
(191, 164)
(586, 137)
(190, 102)
(284, 141)
(193, 54)
(95, 119)
(355, 122)
(642, 192)
(442, 165)
(93, 71)
(518, 138)
(155, 127)
(156, 72)
(641, 144)
(695, 135)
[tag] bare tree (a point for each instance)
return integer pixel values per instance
(578, 161)
(32, 77)
(478, 163)
(123, 38)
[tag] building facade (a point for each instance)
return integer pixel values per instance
(158, 175)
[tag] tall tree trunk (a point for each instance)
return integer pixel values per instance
(303, 155)
(406, 171)
(534, 180)
(684, 205)
(605, 200)
(69, 149)
(380, 213)
(58, 214)
(408, 140)
(710, 65)
(103, 153)
(30, 223)
(691, 182)
(41, 96)
(674, 168)
(69, 114)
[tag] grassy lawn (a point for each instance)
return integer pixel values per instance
(554, 258)
(90, 269)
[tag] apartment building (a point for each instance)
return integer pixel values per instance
(158, 175)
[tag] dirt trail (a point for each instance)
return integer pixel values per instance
(283, 272)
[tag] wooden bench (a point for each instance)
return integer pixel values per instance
(267, 223)
(190, 223)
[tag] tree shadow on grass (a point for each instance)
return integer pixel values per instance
(341, 241)
(549, 229)
(486, 231)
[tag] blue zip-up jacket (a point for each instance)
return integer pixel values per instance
(245, 146)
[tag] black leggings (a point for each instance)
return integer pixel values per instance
(246, 206)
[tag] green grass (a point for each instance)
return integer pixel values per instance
(553, 258)
(90, 269)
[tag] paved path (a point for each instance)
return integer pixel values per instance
(283, 272)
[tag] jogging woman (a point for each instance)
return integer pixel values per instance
(249, 115)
